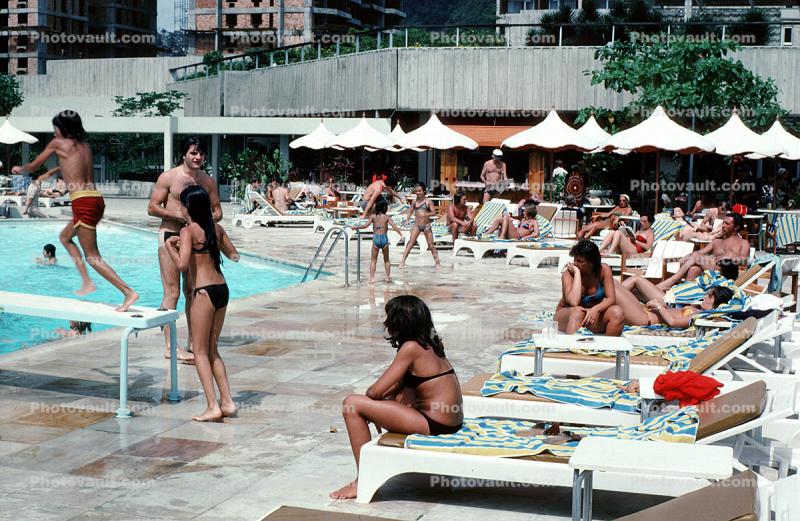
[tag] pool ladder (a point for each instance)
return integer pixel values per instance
(337, 233)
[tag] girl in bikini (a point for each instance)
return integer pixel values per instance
(588, 294)
(198, 250)
(380, 241)
(423, 212)
(418, 394)
(621, 242)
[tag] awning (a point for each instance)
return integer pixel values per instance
(486, 135)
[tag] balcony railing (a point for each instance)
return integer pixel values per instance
(495, 35)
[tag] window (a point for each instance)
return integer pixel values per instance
(22, 19)
(256, 20)
(787, 36)
(230, 20)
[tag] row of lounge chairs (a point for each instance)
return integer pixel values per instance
(755, 414)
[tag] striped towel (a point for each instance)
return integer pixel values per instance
(661, 330)
(787, 228)
(596, 393)
(692, 292)
(665, 229)
(679, 355)
(487, 215)
(500, 438)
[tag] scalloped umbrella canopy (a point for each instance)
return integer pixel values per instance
(396, 134)
(435, 135)
(659, 132)
(593, 130)
(735, 138)
(11, 135)
(362, 135)
(778, 134)
(316, 140)
(552, 134)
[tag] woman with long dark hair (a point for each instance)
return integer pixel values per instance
(199, 251)
(419, 392)
(588, 295)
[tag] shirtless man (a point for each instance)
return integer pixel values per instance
(75, 164)
(729, 246)
(494, 174)
(165, 203)
(374, 192)
(280, 196)
(459, 217)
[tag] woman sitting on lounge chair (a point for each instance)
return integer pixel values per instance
(527, 229)
(624, 241)
(610, 220)
(401, 400)
(588, 294)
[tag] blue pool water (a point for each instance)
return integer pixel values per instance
(131, 253)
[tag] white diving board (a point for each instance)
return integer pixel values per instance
(137, 318)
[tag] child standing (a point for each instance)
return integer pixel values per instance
(380, 241)
(198, 250)
(423, 212)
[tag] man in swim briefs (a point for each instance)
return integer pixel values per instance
(494, 174)
(75, 164)
(165, 204)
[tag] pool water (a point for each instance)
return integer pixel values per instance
(132, 254)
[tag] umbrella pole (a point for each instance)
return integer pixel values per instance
(550, 173)
(775, 187)
(363, 171)
(730, 195)
(658, 179)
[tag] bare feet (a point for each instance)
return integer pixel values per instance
(228, 409)
(401, 266)
(371, 281)
(209, 415)
(438, 267)
(389, 281)
(86, 289)
(349, 491)
(183, 355)
(130, 297)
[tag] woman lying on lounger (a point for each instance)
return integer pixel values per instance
(403, 400)
(588, 294)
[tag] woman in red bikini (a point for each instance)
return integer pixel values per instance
(620, 241)
(402, 400)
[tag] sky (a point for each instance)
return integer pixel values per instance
(166, 14)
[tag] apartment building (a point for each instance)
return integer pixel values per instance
(35, 31)
(232, 26)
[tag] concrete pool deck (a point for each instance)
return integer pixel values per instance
(292, 356)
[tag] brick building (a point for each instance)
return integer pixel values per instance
(233, 26)
(35, 31)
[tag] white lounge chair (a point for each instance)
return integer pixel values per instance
(268, 214)
(386, 457)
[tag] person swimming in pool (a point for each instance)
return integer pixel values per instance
(588, 294)
(48, 257)
(198, 250)
(75, 164)
(401, 400)
(165, 204)
(422, 210)
(380, 240)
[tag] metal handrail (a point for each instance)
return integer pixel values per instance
(281, 55)
(338, 232)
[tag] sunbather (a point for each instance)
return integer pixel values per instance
(528, 227)
(59, 190)
(610, 220)
(625, 242)
(588, 294)
(459, 217)
(400, 400)
(280, 194)
(646, 291)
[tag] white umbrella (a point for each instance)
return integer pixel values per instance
(435, 135)
(783, 138)
(316, 140)
(593, 130)
(734, 139)
(554, 135)
(657, 133)
(362, 136)
(11, 135)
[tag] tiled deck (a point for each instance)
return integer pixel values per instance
(292, 356)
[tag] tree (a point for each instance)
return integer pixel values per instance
(687, 77)
(149, 104)
(249, 164)
(10, 94)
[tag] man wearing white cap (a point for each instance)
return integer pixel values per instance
(494, 174)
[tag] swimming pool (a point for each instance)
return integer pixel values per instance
(132, 253)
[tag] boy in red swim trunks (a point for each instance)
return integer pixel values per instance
(75, 164)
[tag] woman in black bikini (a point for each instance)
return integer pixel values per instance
(401, 401)
(198, 250)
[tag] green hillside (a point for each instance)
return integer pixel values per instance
(441, 12)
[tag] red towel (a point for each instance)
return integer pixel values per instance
(687, 387)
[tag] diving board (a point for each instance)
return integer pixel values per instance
(136, 319)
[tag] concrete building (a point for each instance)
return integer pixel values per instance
(35, 31)
(232, 26)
